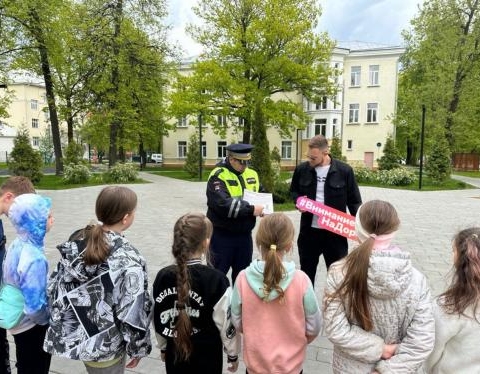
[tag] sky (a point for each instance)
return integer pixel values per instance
(371, 21)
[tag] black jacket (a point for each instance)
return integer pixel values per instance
(220, 202)
(341, 189)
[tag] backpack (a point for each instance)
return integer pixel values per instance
(11, 306)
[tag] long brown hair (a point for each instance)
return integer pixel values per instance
(112, 204)
(274, 237)
(189, 235)
(380, 218)
(464, 290)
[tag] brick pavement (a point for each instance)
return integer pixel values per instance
(429, 221)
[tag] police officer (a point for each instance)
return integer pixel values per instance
(233, 218)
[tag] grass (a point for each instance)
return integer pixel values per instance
(55, 182)
(471, 174)
(427, 185)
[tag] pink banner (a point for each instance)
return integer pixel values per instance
(330, 219)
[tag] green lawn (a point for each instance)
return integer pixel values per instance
(54, 182)
(427, 185)
(471, 174)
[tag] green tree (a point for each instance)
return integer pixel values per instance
(24, 160)
(438, 165)
(29, 32)
(440, 70)
(254, 51)
(192, 162)
(45, 147)
(390, 158)
(336, 148)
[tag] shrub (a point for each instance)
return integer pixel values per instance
(281, 192)
(121, 173)
(438, 164)
(73, 154)
(363, 174)
(396, 177)
(193, 157)
(24, 160)
(390, 159)
(76, 173)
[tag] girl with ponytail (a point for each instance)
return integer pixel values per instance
(377, 307)
(274, 305)
(192, 305)
(99, 296)
(457, 311)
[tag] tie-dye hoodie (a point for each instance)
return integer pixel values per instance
(25, 264)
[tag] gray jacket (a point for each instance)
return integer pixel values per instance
(401, 311)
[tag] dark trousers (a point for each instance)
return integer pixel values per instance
(231, 251)
(312, 243)
(4, 353)
(31, 358)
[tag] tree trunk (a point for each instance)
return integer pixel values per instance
(69, 120)
(47, 76)
(115, 124)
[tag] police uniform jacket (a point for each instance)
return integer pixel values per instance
(341, 189)
(226, 209)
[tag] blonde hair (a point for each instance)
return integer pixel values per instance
(274, 237)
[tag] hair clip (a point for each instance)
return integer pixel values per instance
(373, 236)
(475, 236)
(273, 247)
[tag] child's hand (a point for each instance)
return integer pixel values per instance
(233, 366)
(388, 351)
(133, 363)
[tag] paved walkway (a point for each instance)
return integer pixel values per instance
(429, 221)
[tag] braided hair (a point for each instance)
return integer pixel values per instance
(189, 238)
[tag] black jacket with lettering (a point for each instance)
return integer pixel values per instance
(341, 189)
(209, 311)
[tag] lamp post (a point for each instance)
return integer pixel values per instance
(422, 137)
(200, 148)
(378, 146)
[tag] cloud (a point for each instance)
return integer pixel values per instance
(373, 21)
(376, 21)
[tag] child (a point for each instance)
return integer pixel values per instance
(26, 267)
(457, 312)
(98, 294)
(12, 187)
(192, 305)
(274, 305)
(377, 307)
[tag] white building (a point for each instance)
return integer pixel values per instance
(361, 114)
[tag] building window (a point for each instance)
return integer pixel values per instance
(35, 141)
(204, 149)
(34, 104)
(182, 122)
(324, 102)
(320, 126)
(353, 113)
(334, 127)
(372, 112)
(373, 75)
(355, 76)
(287, 149)
(221, 149)
(222, 121)
(349, 145)
(34, 123)
(182, 149)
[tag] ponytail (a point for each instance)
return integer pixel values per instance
(97, 249)
(273, 273)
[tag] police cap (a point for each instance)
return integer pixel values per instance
(240, 151)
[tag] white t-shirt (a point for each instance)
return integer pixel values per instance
(322, 172)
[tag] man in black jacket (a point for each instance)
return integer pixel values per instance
(332, 183)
